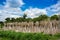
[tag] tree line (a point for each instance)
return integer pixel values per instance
(39, 18)
(25, 19)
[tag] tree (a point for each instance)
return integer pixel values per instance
(28, 19)
(20, 19)
(40, 18)
(43, 17)
(7, 19)
(24, 16)
(59, 17)
(13, 20)
(35, 19)
(1, 24)
(54, 17)
(17, 19)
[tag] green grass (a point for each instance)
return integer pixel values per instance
(4, 38)
(11, 35)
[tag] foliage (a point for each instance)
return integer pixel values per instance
(12, 20)
(54, 17)
(7, 19)
(43, 17)
(24, 16)
(1, 24)
(27, 36)
(28, 19)
(39, 18)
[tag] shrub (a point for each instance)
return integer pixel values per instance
(28, 36)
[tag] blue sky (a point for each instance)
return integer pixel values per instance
(1, 2)
(33, 8)
(35, 3)
(39, 3)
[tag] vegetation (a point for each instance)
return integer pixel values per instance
(54, 17)
(24, 16)
(39, 18)
(1, 24)
(11, 35)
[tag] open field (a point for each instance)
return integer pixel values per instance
(11, 35)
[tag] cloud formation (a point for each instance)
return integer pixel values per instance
(54, 9)
(14, 3)
(11, 9)
(34, 12)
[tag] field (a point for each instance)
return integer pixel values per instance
(11, 35)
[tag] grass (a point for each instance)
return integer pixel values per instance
(11, 35)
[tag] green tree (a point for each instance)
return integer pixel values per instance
(59, 17)
(7, 19)
(43, 17)
(28, 19)
(13, 20)
(24, 16)
(35, 19)
(1, 24)
(54, 17)
(40, 18)
(20, 19)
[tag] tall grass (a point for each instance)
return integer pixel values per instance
(11, 35)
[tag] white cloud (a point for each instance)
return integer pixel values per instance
(14, 3)
(11, 9)
(55, 9)
(14, 16)
(12, 12)
(34, 12)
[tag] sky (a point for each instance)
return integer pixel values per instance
(33, 8)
